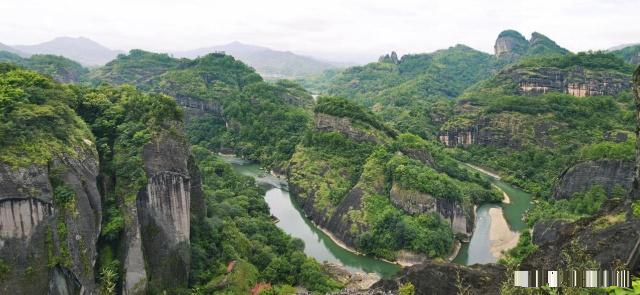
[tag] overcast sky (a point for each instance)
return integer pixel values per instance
(343, 30)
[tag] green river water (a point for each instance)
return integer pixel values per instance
(478, 248)
(292, 221)
(322, 248)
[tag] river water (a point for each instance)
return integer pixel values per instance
(506, 220)
(317, 243)
(497, 226)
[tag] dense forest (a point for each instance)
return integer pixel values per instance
(377, 160)
(376, 163)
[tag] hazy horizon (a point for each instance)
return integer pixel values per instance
(340, 31)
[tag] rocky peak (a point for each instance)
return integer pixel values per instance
(390, 58)
(510, 44)
(610, 174)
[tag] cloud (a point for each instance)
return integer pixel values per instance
(337, 29)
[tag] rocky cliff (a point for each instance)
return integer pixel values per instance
(348, 127)
(414, 202)
(447, 278)
(333, 218)
(507, 129)
(577, 81)
(607, 240)
(511, 45)
(606, 173)
(157, 236)
(49, 224)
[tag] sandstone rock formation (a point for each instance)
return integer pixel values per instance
(608, 239)
(324, 122)
(606, 173)
(447, 278)
(510, 130)
(390, 58)
(157, 238)
(413, 202)
(48, 241)
(510, 44)
(578, 82)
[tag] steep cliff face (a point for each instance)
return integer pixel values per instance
(606, 240)
(447, 278)
(606, 173)
(346, 126)
(199, 105)
(511, 130)
(578, 81)
(49, 224)
(413, 202)
(334, 218)
(158, 253)
(510, 44)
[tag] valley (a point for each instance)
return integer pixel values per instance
(291, 219)
(154, 174)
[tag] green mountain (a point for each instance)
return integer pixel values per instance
(380, 192)
(538, 117)
(59, 68)
(236, 109)
(511, 45)
(630, 54)
(270, 64)
(155, 198)
(409, 93)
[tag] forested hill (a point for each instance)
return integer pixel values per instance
(116, 186)
(59, 68)
(271, 64)
(383, 193)
(238, 110)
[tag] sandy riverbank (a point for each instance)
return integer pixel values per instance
(502, 238)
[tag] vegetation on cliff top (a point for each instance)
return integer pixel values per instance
(329, 165)
(239, 228)
(123, 120)
(259, 120)
(37, 122)
(59, 68)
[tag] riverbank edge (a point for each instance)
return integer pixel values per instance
(401, 262)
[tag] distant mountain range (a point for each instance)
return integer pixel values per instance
(7, 48)
(82, 50)
(275, 64)
(622, 46)
(268, 62)
(271, 64)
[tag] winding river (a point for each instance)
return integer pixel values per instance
(317, 244)
(497, 226)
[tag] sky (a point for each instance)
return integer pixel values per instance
(347, 30)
